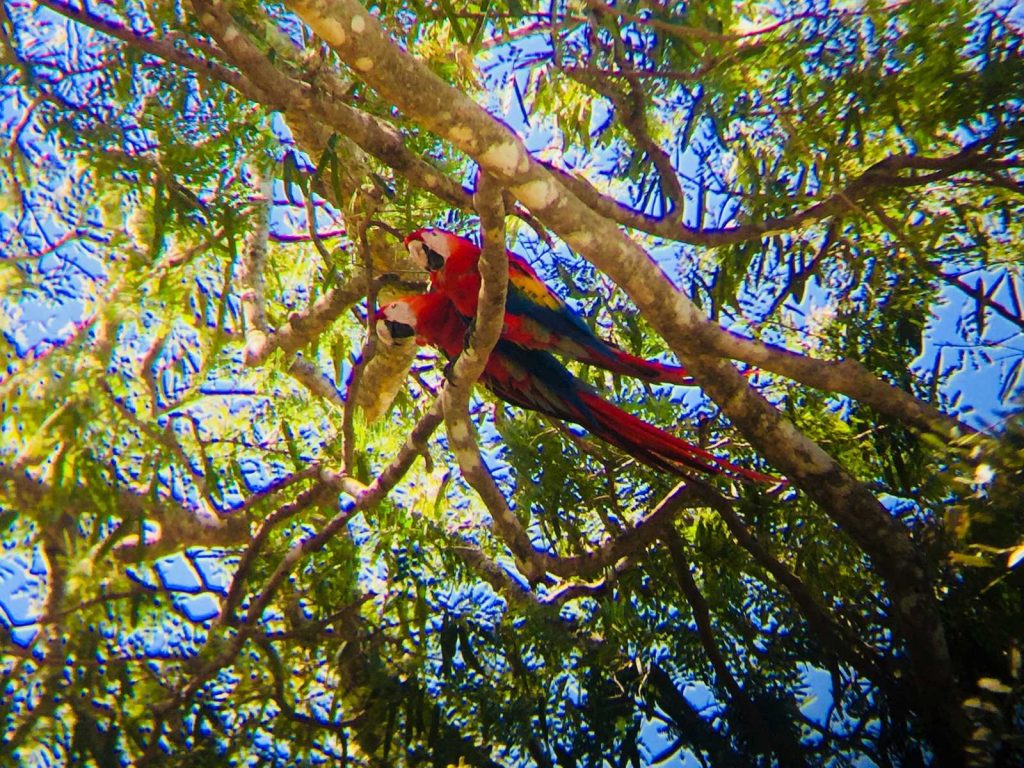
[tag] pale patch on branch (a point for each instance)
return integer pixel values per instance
(254, 262)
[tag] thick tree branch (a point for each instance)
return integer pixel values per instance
(254, 262)
(179, 528)
(611, 558)
(490, 315)
(494, 574)
(843, 377)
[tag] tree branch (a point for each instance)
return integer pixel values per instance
(487, 325)
(302, 327)
(326, 98)
(834, 635)
(254, 262)
(632, 540)
(632, 113)
(877, 176)
(787, 750)
(163, 48)
(178, 527)
(314, 379)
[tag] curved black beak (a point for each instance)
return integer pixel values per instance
(399, 330)
(435, 261)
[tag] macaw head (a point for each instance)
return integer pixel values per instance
(430, 248)
(396, 322)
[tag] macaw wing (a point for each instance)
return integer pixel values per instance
(524, 279)
(536, 312)
(537, 317)
(535, 380)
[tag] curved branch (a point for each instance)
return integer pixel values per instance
(470, 364)
(366, 496)
(882, 174)
(633, 539)
(631, 108)
(302, 327)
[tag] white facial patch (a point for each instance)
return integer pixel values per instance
(431, 249)
(438, 242)
(416, 253)
(400, 312)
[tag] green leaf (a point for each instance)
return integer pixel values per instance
(7, 518)
(972, 561)
(481, 24)
(453, 19)
(293, 177)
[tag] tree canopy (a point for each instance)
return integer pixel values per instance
(240, 529)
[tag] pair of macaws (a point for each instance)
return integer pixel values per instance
(521, 369)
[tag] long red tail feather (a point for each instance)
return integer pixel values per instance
(657, 447)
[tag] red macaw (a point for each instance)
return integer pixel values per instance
(535, 316)
(535, 380)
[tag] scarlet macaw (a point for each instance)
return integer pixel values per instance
(535, 380)
(535, 316)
